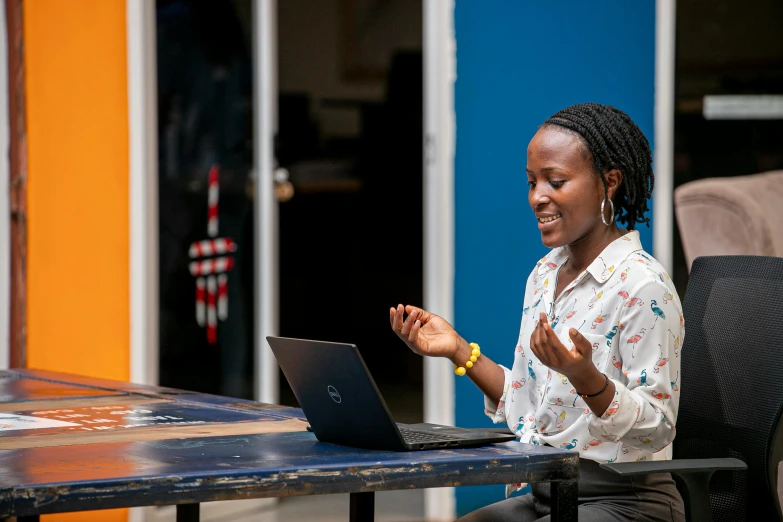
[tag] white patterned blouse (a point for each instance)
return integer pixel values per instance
(627, 307)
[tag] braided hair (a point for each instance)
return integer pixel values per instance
(614, 142)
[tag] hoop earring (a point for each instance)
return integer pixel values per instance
(611, 204)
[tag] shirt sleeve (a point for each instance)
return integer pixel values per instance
(643, 412)
(497, 412)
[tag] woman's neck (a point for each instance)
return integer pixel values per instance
(584, 251)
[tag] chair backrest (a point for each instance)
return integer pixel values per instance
(732, 380)
(739, 215)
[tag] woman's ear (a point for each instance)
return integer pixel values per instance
(613, 180)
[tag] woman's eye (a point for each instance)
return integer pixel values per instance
(556, 184)
(531, 184)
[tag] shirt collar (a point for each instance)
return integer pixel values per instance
(604, 265)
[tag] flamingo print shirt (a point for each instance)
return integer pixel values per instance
(627, 307)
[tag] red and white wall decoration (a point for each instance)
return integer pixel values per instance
(210, 265)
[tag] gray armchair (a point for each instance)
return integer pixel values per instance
(734, 215)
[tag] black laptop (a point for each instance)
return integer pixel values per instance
(343, 405)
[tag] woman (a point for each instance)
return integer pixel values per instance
(596, 366)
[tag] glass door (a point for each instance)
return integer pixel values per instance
(208, 70)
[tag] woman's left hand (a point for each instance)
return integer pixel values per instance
(551, 352)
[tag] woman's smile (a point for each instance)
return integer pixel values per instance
(548, 222)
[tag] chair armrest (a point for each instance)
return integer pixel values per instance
(692, 477)
(677, 466)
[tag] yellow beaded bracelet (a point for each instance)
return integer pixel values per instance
(474, 355)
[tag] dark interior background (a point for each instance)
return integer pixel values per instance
(350, 136)
(724, 47)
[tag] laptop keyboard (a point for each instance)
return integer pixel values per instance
(413, 436)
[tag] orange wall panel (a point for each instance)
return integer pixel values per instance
(77, 124)
(77, 200)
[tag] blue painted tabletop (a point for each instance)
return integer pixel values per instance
(71, 443)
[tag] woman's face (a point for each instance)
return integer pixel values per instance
(565, 193)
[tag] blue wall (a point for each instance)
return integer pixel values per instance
(518, 62)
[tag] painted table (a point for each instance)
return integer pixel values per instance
(71, 443)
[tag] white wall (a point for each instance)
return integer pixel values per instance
(5, 224)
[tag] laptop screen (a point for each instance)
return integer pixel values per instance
(336, 392)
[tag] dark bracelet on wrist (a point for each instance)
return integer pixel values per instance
(606, 385)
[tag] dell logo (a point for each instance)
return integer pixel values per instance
(334, 394)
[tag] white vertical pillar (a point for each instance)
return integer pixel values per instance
(439, 138)
(266, 210)
(663, 196)
(143, 194)
(143, 190)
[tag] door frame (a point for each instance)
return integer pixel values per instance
(439, 148)
(438, 141)
(143, 204)
(143, 190)
(143, 200)
(663, 142)
(267, 319)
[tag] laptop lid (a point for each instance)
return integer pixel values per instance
(336, 393)
(343, 405)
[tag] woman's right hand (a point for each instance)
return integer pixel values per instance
(425, 333)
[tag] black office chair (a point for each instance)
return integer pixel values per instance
(732, 392)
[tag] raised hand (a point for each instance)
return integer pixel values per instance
(423, 332)
(552, 353)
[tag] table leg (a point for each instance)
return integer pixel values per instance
(564, 501)
(362, 507)
(188, 512)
